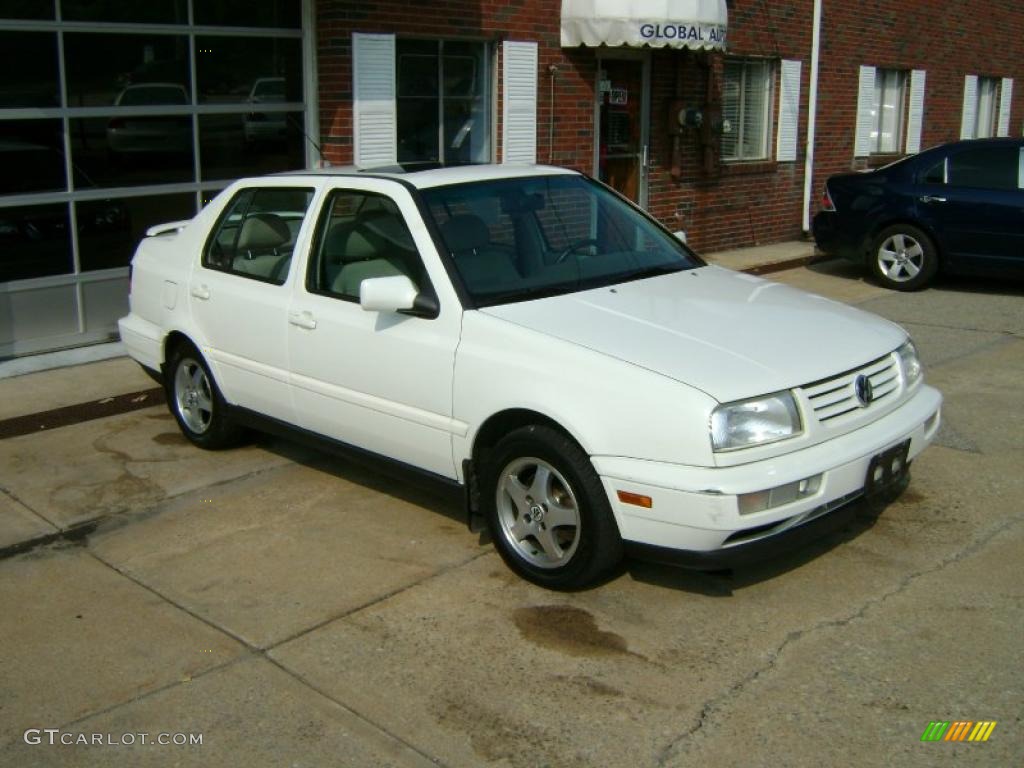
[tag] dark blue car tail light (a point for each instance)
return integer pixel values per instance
(826, 201)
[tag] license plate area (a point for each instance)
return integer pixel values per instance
(887, 469)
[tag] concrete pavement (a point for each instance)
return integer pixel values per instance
(298, 610)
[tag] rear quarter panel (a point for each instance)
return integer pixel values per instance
(868, 203)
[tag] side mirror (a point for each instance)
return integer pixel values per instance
(395, 294)
(680, 235)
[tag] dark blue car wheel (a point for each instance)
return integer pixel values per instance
(903, 257)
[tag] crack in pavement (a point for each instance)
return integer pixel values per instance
(7, 491)
(715, 704)
(110, 521)
(1002, 333)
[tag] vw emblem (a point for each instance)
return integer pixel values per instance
(863, 390)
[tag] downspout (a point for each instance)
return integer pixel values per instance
(812, 109)
(553, 72)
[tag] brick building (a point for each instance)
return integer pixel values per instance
(890, 76)
(118, 116)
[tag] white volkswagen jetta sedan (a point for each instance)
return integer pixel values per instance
(525, 334)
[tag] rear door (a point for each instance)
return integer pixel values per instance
(240, 292)
(974, 199)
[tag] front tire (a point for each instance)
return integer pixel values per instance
(903, 258)
(196, 402)
(547, 511)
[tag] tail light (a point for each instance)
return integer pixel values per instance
(826, 200)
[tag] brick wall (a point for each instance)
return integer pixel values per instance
(947, 38)
(719, 205)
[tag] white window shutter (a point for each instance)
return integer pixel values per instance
(1005, 100)
(970, 107)
(374, 113)
(915, 113)
(865, 98)
(789, 110)
(519, 103)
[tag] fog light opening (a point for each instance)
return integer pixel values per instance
(759, 501)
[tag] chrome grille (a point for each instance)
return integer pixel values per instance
(836, 397)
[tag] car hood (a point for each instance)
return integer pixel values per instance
(728, 334)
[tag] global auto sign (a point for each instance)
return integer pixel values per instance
(690, 35)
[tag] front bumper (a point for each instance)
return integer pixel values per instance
(695, 511)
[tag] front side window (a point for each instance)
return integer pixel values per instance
(746, 99)
(887, 110)
(985, 168)
(361, 235)
(256, 234)
(443, 102)
(518, 239)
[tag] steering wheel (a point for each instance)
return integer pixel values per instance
(564, 253)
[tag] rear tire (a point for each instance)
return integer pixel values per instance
(903, 258)
(196, 402)
(547, 510)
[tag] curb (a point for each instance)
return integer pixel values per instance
(781, 266)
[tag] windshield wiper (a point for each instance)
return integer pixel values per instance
(522, 294)
(653, 271)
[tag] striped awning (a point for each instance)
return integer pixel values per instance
(698, 24)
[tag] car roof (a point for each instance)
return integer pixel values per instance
(424, 176)
(963, 143)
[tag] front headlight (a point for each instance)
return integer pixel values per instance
(754, 422)
(910, 363)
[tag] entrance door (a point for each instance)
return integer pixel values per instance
(622, 119)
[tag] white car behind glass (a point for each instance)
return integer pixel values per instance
(529, 337)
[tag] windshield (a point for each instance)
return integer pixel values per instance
(517, 239)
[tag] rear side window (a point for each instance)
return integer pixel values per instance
(256, 234)
(985, 167)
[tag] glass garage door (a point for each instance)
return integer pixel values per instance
(118, 116)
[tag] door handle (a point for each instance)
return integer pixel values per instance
(302, 320)
(200, 292)
(931, 199)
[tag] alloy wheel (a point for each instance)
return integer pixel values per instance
(538, 512)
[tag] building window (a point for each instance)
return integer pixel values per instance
(887, 110)
(746, 98)
(443, 102)
(985, 108)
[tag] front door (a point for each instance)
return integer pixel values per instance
(622, 119)
(976, 203)
(379, 381)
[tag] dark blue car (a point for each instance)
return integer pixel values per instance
(955, 208)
